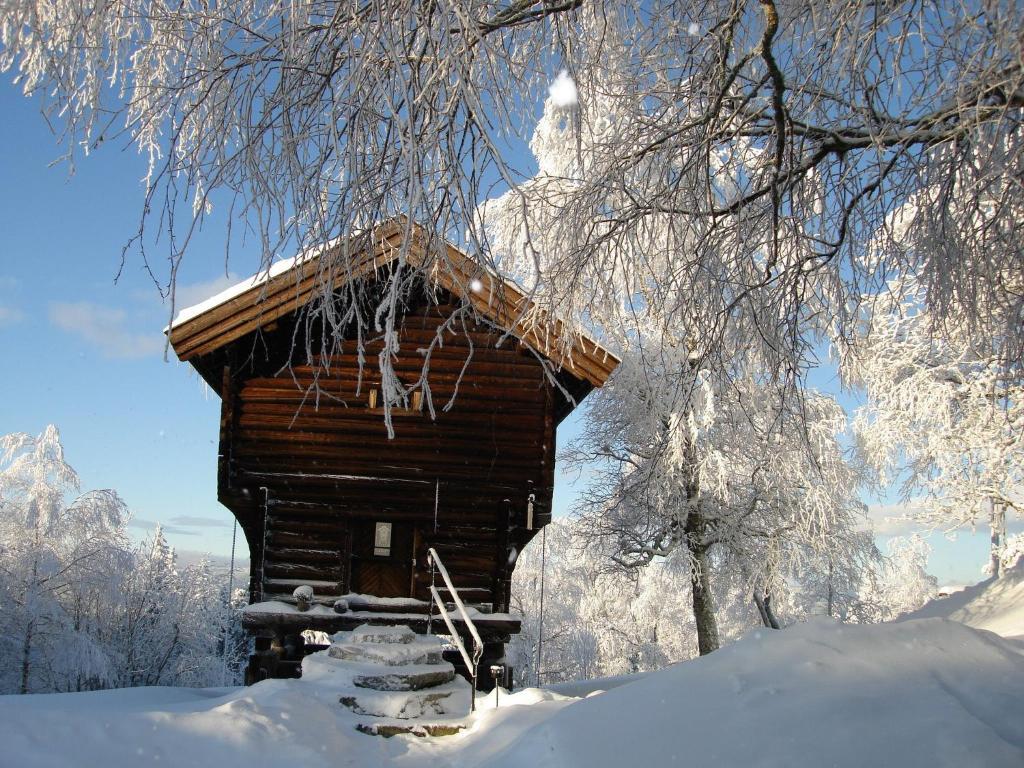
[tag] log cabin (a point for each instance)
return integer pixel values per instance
(326, 498)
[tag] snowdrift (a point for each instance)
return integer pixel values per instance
(995, 604)
(921, 693)
(927, 692)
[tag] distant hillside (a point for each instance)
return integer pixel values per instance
(219, 562)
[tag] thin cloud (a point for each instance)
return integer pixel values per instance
(10, 316)
(188, 294)
(149, 525)
(195, 520)
(895, 519)
(105, 328)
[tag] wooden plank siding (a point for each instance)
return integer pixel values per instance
(306, 463)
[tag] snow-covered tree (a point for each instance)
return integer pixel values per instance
(944, 415)
(599, 621)
(57, 551)
(736, 157)
(686, 460)
(596, 622)
(1013, 552)
(898, 584)
(80, 607)
(704, 436)
(174, 624)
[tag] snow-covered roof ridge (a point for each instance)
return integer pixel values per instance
(260, 278)
(289, 284)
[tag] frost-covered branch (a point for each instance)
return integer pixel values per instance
(739, 163)
(945, 413)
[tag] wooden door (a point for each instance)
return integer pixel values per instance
(382, 558)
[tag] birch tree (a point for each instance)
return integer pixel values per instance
(685, 460)
(944, 417)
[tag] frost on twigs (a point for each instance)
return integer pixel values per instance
(944, 415)
(745, 177)
(744, 188)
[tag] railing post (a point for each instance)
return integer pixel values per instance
(478, 645)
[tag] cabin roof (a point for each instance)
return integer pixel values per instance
(288, 285)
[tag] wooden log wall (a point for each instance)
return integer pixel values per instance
(306, 463)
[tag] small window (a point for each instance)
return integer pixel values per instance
(382, 540)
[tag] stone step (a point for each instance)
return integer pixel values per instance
(413, 677)
(389, 654)
(421, 729)
(368, 633)
(451, 698)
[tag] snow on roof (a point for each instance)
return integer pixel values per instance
(260, 278)
(252, 303)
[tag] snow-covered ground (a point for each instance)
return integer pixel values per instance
(995, 604)
(928, 692)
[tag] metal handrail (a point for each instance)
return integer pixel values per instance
(478, 644)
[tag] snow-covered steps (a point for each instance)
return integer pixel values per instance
(389, 729)
(382, 635)
(451, 698)
(411, 677)
(426, 651)
(400, 679)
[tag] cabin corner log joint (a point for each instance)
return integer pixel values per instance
(325, 499)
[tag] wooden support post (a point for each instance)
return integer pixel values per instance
(346, 556)
(501, 585)
(263, 662)
(548, 479)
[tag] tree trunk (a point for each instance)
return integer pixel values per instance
(763, 601)
(26, 655)
(773, 620)
(700, 585)
(997, 524)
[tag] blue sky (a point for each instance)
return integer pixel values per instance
(86, 353)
